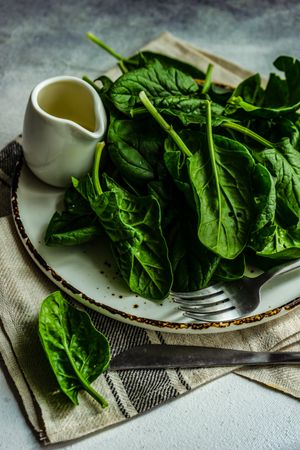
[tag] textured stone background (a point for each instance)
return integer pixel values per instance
(39, 39)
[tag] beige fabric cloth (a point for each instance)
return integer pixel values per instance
(23, 287)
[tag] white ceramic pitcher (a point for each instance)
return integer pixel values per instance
(64, 120)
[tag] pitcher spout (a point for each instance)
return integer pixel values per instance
(64, 120)
(73, 101)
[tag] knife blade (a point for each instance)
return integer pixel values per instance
(161, 356)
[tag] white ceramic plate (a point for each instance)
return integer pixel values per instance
(89, 275)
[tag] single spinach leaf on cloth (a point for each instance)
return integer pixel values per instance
(76, 351)
(133, 225)
(171, 91)
(221, 176)
(136, 148)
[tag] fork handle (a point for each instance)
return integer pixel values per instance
(278, 270)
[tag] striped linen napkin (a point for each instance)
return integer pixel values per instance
(23, 286)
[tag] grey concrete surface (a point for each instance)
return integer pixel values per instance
(39, 39)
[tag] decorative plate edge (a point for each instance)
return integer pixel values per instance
(75, 293)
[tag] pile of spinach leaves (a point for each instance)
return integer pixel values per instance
(198, 178)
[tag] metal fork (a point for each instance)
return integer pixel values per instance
(228, 301)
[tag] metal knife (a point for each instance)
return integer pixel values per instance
(160, 356)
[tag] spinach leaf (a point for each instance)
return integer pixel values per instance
(136, 148)
(277, 129)
(246, 132)
(171, 91)
(291, 68)
(283, 162)
(157, 81)
(133, 224)
(249, 90)
(134, 227)
(175, 161)
(230, 270)
(261, 262)
(285, 128)
(76, 225)
(276, 92)
(65, 229)
(76, 351)
(283, 245)
(280, 98)
(75, 204)
(220, 173)
(268, 238)
(145, 58)
(220, 93)
(265, 207)
(190, 110)
(104, 91)
(236, 103)
(166, 194)
(193, 264)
